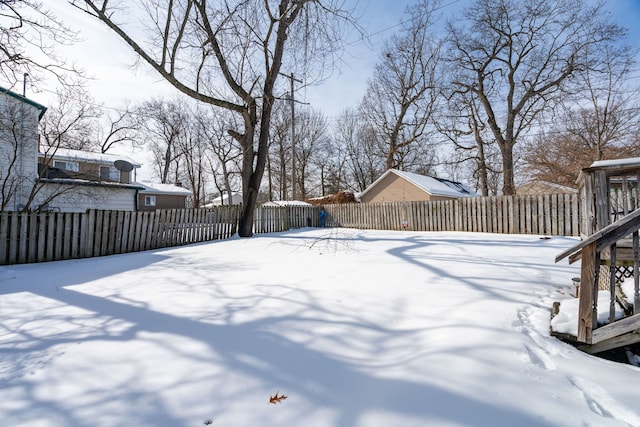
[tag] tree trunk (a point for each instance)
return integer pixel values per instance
(508, 184)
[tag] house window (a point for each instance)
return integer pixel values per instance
(68, 166)
(109, 172)
(149, 200)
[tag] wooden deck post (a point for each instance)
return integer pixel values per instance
(588, 285)
(636, 273)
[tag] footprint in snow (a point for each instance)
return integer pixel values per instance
(539, 357)
(601, 403)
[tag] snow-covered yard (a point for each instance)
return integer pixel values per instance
(356, 328)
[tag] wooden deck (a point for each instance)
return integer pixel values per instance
(614, 335)
(609, 246)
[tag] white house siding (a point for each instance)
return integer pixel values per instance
(18, 149)
(79, 198)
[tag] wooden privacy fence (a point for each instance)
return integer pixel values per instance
(51, 236)
(273, 219)
(38, 237)
(550, 214)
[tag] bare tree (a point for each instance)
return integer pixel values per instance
(220, 150)
(518, 59)
(29, 34)
(402, 92)
(198, 45)
(76, 122)
(163, 129)
(279, 152)
(312, 138)
(115, 128)
(358, 142)
(71, 120)
(192, 148)
(558, 156)
(462, 122)
(600, 122)
(331, 162)
(606, 113)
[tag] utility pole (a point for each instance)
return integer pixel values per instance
(292, 79)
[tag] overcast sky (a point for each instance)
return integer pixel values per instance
(109, 60)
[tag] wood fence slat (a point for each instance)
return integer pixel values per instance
(547, 214)
(173, 230)
(86, 235)
(554, 220)
(144, 233)
(41, 238)
(4, 237)
(104, 235)
(119, 234)
(13, 238)
(72, 235)
(32, 241)
(51, 236)
(152, 242)
(113, 225)
(161, 216)
(97, 232)
(126, 232)
(58, 235)
(137, 229)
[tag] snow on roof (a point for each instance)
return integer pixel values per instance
(90, 183)
(236, 199)
(286, 203)
(433, 186)
(158, 188)
(88, 156)
(630, 161)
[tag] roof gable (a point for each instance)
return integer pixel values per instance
(21, 98)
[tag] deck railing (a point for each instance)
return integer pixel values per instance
(601, 248)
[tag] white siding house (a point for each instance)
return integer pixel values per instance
(236, 199)
(19, 118)
(60, 180)
(74, 181)
(63, 196)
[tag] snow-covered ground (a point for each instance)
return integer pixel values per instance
(356, 328)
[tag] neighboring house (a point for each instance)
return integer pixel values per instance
(162, 196)
(56, 180)
(98, 167)
(398, 186)
(236, 199)
(545, 187)
(19, 119)
(74, 181)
